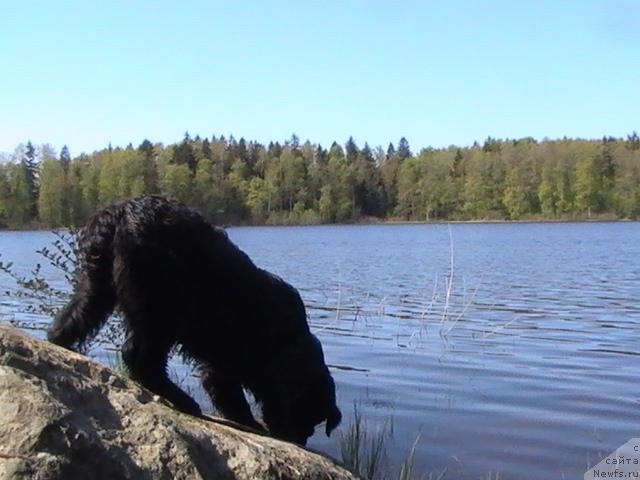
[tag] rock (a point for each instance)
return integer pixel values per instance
(64, 416)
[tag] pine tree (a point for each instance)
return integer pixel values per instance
(633, 141)
(403, 149)
(183, 154)
(320, 156)
(294, 142)
(206, 149)
(391, 151)
(367, 193)
(351, 150)
(65, 157)
(66, 189)
(491, 145)
(274, 149)
(31, 169)
(149, 167)
(241, 150)
(457, 168)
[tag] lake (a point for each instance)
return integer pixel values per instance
(509, 348)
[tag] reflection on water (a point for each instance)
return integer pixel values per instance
(521, 357)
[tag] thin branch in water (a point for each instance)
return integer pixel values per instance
(500, 327)
(434, 296)
(339, 304)
(449, 279)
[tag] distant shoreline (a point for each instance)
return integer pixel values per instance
(441, 222)
(371, 221)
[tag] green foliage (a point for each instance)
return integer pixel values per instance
(247, 182)
(54, 192)
(121, 176)
(515, 195)
(587, 187)
(548, 197)
(257, 198)
(475, 196)
(176, 181)
(425, 188)
(17, 198)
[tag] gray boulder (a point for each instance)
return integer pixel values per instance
(64, 416)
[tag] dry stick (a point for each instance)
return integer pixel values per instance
(448, 280)
(468, 304)
(380, 308)
(473, 296)
(10, 456)
(434, 296)
(426, 311)
(500, 327)
(230, 423)
(364, 309)
(338, 308)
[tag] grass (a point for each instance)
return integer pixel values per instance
(116, 363)
(364, 452)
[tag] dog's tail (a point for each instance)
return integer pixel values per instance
(94, 296)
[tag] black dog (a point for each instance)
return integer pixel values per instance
(180, 281)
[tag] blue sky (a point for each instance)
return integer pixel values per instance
(440, 73)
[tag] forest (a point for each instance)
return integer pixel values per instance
(245, 182)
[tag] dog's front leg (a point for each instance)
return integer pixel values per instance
(146, 360)
(228, 397)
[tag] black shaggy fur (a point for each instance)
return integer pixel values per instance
(180, 281)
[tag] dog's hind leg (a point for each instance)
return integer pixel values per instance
(91, 304)
(228, 397)
(145, 356)
(94, 297)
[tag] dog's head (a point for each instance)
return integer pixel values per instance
(304, 396)
(297, 391)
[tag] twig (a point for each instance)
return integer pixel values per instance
(10, 456)
(449, 279)
(338, 306)
(434, 296)
(500, 327)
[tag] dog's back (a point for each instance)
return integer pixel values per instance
(151, 254)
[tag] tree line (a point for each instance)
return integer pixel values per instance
(246, 182)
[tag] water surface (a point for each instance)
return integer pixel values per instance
(510, 348)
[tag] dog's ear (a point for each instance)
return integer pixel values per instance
(333, 420)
